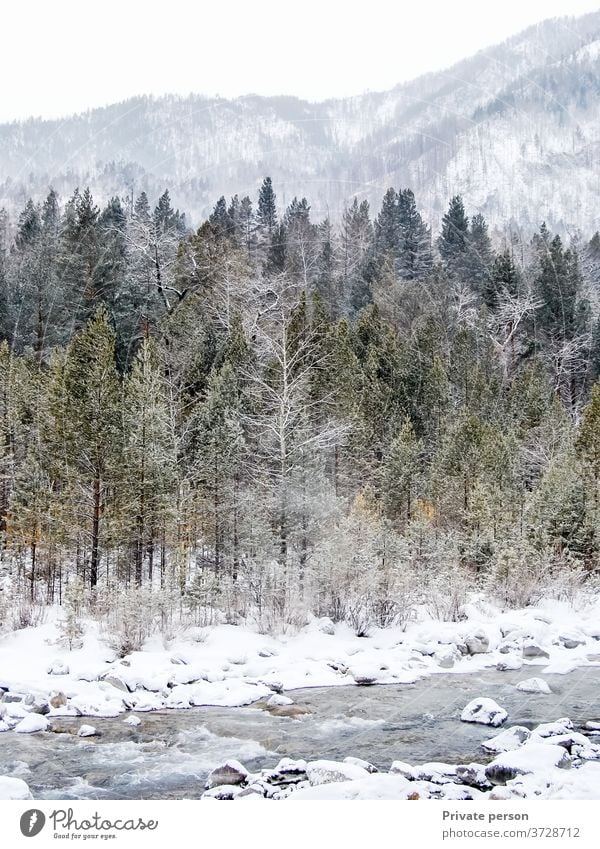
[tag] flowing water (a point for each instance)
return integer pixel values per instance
(170, 754)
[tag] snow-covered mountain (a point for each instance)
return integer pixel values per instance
(515, 129)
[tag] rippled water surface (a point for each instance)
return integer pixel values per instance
(170, 754)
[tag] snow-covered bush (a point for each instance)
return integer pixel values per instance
(518, 576)
(131, 619)
(70, 626)
(445, 592)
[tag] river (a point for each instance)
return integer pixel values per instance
(170, 754)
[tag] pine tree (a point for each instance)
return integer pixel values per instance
(92, 426)
(415, 256)
(453, 242)
(266, 215)
(147, 486)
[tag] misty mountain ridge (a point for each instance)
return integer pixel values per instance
(514, 129)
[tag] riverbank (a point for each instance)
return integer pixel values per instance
(231, 666)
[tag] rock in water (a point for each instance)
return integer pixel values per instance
(87, 731)
(231, 772)
(508, 740)
(484, 711)
(534, 685)
(31, 724)
(510, 662)
(132, 720)
(279, 701)
(532, 758)
(532, 649)
(14, 788)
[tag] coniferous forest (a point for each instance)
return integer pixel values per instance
(269, 416)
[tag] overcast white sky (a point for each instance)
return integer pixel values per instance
(64, 56)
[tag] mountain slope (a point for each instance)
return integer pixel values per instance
(514, 128)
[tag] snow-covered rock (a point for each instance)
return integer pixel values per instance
(531, 758)
(534, 685)
(57, 699)
(14, 788)
(508, 740)
(361, 763)
(87, 731)
(328, 772)
(277, 701)
(484, 711)
(531, 649)
(404, 769)
(553, 729)
(477, 642)
(231, 772)
(31, 724)
(509, 663)
(223, 792)
(571, 640)
(132, 720)
(58, 667)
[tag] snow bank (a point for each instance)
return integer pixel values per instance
(231, 666)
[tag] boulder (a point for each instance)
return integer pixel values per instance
(534, 685)
(359, 762)
(509, 663)
(292, 711)
(330, 772)
(57, 699)
(58, 667)
(484, 711)
(223, 792)
(403, 769)
(508, 740)
(231, 772)
(278, 701)
(532, 649)
(87, 731)
(571, 640)
(553, 729)
(477, 643)
(435, 772)
(31, 724)
(117, 682)
(473, 775)
(532, 758)
(132, 720)
(14, 788)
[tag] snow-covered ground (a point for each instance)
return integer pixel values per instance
(233, 666)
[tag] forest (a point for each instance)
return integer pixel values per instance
(269, 417)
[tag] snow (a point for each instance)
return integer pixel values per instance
(14, 788)
(484, 711)
(531, 758)
(509, 739)
(31, 724)
(276, 700)
(87, 731)
(231, 666)
(534, 685)
(328, 772)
